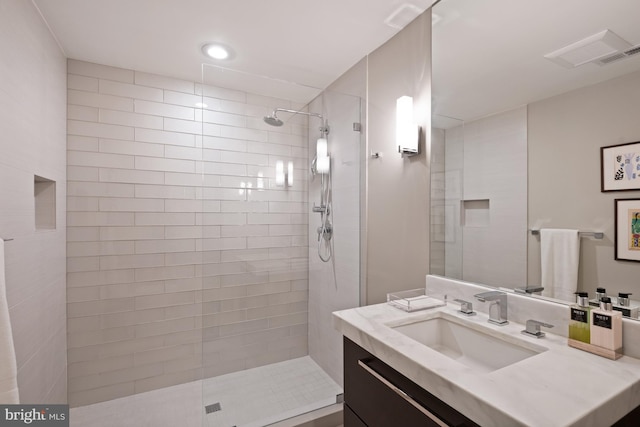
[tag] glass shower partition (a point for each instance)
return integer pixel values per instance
(264, 295)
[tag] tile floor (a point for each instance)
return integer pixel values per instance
(252, 398)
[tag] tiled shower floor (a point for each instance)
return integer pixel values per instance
(252, 398)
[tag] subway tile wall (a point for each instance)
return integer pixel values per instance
(184, 259)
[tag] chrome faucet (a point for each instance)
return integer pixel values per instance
(495, 298)
(533, 328)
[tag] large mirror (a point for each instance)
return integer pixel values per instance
(524, 96)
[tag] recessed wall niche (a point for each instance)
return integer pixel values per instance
(475, 213)
(44, 192)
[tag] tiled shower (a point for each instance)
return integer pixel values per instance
(185, 259)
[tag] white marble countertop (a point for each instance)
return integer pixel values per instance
(561, 386)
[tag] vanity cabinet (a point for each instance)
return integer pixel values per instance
(377, 395)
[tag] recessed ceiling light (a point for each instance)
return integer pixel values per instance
(216, 51)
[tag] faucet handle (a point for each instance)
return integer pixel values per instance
(466, 307)
(533, 328)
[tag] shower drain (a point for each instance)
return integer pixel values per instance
(214, 407)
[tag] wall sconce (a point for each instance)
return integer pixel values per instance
(279, 173)
(407, 132)
(290, 174)
(322, 156)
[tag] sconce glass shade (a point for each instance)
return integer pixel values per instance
(321, 147)
(407, 132)
(323, 164)
(280, 173)
(290, 174)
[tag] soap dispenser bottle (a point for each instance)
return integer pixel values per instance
(606, 326)
(580, 319)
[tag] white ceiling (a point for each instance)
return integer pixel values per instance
(306, 42)
(487, 54)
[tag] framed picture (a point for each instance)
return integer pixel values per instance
(627, 220)
(620, 167)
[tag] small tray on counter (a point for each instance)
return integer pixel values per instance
(413, 300)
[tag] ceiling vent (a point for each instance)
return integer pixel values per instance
(403, 15)
(619, 56)
(605, 44)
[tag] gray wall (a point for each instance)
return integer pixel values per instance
(398, 188)
(565, 136)
(32, 129)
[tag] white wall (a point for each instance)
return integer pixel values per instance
(32, 142)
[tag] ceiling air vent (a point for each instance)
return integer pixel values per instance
(619, 56)
(605, 44)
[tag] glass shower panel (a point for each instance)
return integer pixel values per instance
(256, 300)
(447, 165)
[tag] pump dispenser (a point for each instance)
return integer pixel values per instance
(606, 326)
(579, 329)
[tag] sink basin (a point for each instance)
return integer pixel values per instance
(467, 344)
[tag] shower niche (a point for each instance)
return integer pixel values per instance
(44, 194)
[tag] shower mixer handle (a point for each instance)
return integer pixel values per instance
(323, 209)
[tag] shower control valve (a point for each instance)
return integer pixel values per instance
(323, 209)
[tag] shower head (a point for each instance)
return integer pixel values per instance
(273, 120)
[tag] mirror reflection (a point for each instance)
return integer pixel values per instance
(523, 101)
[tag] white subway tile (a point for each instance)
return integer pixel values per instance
(99, 189)
(162, 218)
(165, 165)
(99, 130)
(82, 158)
(184, 206)
(221, 118)
(218, 143)
(268, 242)
(244, 134)
(184, 126)
(130, 233)
(184, 99)
(82, 264)
(221, 93)
(98, 219)
(82, 173)
(99, 100)
(244, 206)
(87, 84)
(288, 230)
(224, 243)
(165, 192)
(154, 80)
(130, 90)
(82, 204)
(79, 112)
(187, 153)
(163, 137)
(183, 258)
(82, 234)
(131, 176)
(238, 194)
(287, 207)
(130, 119)
(210, 129)
(268, 218)
(287, 139)
(187, 179)
(82, 143)
(216, 168)
(164, 110)
(119, 262)
(244, 230)
(267, 148)
(164, 273)
(165, 246)
(211, 155)
(221, 219)
(244, 158)
(99, 248)
(131, 205)
(130, 147)
(100, 71)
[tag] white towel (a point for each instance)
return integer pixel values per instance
(8, 369)
(560, 258)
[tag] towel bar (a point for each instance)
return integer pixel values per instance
(595, 234)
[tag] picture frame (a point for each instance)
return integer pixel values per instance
(627, 230)
(620, 167)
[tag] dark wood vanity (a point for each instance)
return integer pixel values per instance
(377, 395)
